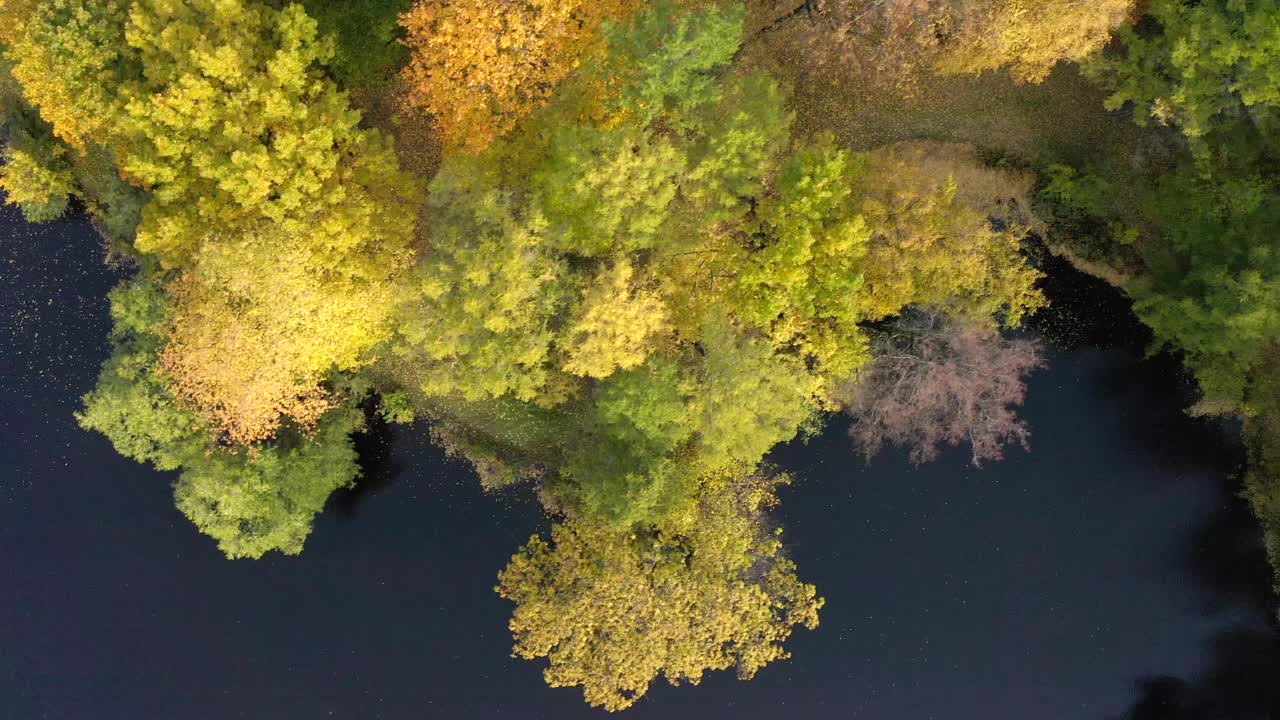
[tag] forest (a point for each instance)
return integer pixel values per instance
(617, 251)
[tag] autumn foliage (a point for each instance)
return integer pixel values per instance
(1029, 37)
(613, 611)
(632, 277)
(891, 43)
(936, 382)
(479, 66)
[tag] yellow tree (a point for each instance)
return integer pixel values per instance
(479, 66)
(1029, 37)
(289, 223)
(13, 18)
(251, 340)
(933, 241)
(612, 610)
(35, 184)
(71, 58)
(618, 326)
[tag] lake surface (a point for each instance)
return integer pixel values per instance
(1109, 571)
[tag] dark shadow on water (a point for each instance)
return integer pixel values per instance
(1241, 682)
(1151, 396)
(378, 468)
(1223, 556)
(1226, 560)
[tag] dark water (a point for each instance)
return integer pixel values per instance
(1110, 569)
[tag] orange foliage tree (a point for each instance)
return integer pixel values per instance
(479, 66)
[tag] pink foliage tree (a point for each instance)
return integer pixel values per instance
(935, 381)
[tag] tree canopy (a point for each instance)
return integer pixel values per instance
(479, 67)
(611, 611)
(1203, 62)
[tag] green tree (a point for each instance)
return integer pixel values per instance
(750, 398)
(251, 500)
(1262, 439)
(288, 150)
(1214, 290)
(634, 464)
(605, 190)
(366, 34)
(266, 498)
(486, 294)
(290, 222)
(33, 179)
(133, 405)
(799, 276)
(664, 61)
(1206, 62)
(744, 135)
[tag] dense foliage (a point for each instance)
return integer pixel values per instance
(638, 265)
(613, 610)
(891, 45)
(481, 66)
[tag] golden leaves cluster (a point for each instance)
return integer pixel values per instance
(934, 243)
(613, 610)
(479, 66)
(618, 325)
(1030, 37)
(68, 56)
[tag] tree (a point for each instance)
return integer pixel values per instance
(631, 462)
(1213, 290)
(35, 181)
(665, 59)
(480, 66)
(133, 405)
(1029, 37)
(649, 405)
(620, 324)
(1262, 440)
(247, 371)
(72, 59)
(887, 46)
(938, 382)
(13, 19)
(934, 241)
(745, 133)
(487, 294)
(251, 500)
(750, 397)
(290, 224)
(255, 501)
(367, 38)
(288, 152)
(799, 273)
(606, 190)
(613, 610)
(1207, 62)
